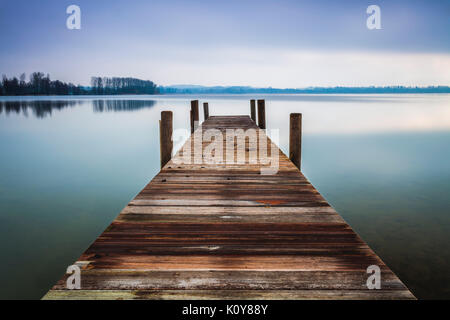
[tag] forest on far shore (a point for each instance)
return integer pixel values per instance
(41, 84)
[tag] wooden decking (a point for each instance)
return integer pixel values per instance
(225, 231)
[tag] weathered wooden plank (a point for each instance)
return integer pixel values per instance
(244, 214)
(291, 229)
(107, 279)
(209, 214)
(232, 218)
(225, 202)
(242, 210)
(247, 261)
(317, 249)
(335, 294)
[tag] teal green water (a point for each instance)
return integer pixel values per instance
(69, 165)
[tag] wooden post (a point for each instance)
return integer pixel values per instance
(205, 110)
(253, 110)
(295, 139)
(194, 115)
(262, 114)
(165, 136)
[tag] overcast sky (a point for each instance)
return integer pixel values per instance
(257, 43)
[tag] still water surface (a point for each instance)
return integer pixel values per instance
(69, 165)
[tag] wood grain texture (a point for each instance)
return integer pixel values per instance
(225, 231)
(334, 294)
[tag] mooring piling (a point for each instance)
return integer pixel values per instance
(295, 139)
(253, 110)
(205, 110)
(262, 114)
(165, 137)
(194, 115)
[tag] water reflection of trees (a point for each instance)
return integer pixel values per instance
(43, 108)
(39, 108)
(122, 105)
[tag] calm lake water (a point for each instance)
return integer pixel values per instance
(69, 165)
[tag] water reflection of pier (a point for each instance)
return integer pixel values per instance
(122, 105)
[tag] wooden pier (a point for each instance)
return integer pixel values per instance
(226, 231)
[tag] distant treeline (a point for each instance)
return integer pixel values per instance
(41, 84)
(188, 89)
(116, 85)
